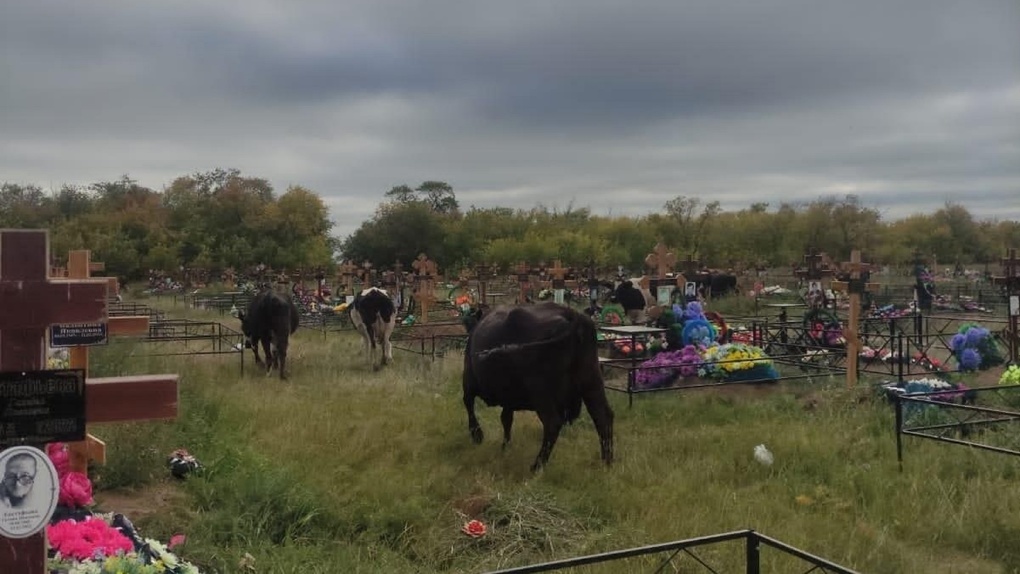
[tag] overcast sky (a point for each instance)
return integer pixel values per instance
(617, 106)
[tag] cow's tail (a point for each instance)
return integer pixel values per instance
(370, 330)
(515, 347)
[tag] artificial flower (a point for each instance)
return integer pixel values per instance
(474, 528)
(75, 490)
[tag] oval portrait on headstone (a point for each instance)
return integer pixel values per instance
(29, 490)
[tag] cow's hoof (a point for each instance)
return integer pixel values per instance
(536, 467)
(477, 435)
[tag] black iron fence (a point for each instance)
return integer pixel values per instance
(984, 417)
(753, 545)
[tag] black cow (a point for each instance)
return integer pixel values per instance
(540, 358)
(271, 318)
(375, 316)
(714, 285)
(633, 301)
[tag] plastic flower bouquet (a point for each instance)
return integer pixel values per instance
(666, 367)
(975, 349)
(734, 362)
(1011, 376)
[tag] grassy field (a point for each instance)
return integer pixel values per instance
(342, 469)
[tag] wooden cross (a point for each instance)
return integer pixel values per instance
(1010, 281)
(691, 266)
(229, 277)
(367, 274)
(425, 293)
(523, 271)
(32, 302)
(855, 287)
(347, 271)
(661, 259)
(81, 266)
(483, 273)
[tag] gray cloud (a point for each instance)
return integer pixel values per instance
(617, 106)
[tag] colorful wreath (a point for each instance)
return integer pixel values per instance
(612, 314)
(824, 328)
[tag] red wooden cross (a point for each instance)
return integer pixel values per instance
(29, 303)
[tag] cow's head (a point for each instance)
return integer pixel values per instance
(473, 317)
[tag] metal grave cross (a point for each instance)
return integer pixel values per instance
(856, 286)
(1010, 281)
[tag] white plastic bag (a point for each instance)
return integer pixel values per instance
(762, 455)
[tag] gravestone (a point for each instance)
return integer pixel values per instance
(661, 260)
(815, 276)
(689, 279)
(32, 302)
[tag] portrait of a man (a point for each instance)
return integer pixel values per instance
(18, 480)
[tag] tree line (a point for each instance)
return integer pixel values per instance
(222, 219)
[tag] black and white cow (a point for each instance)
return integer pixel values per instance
(375, 316)
(271, 318)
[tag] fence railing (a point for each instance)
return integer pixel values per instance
(754, 542)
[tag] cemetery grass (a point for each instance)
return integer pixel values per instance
(342, 469)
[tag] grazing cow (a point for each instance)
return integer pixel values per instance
(375, 316)
(540, 358)
(714, 285)
(632, 300)
(271, 318)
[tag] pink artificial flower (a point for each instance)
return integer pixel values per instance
(175, 540)
(75, 490)
(60, 456)
(85, 539)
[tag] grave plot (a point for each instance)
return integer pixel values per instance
(751, 550)
(986, 418)
(430, 339)
(919, 344)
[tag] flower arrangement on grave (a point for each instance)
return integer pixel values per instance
(824, 328)
(545, 294)
(1011, 376)
(624, 347)
(974, 348)
(918, 413)
(82, 541)
(733, 362)
(666, 367)
(612, 314)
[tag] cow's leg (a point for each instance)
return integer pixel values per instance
(387, 347)
(507, 418)
(601, 413)
(474, 428)
(267, 348)
(258, 359)
(281, 357)
(552, 422)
